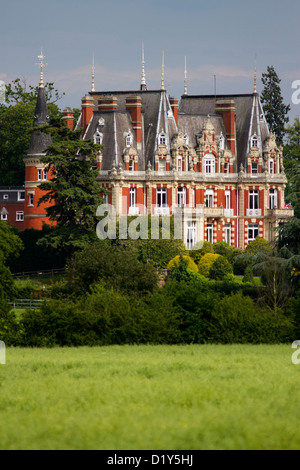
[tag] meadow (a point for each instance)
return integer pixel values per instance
(188, 397)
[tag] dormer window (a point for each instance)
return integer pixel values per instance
(101, 122)
(209, 164)
(98, 138)
(254, 141)
(131, 164)
(128, 140)
(179, 163)
(272, 166)
(254, 168)
(162, 139)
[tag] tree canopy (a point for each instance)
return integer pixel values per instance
(275, 110)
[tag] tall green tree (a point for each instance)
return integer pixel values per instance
(16, 118)
(291, 160)
(72, 188)
(275, 110)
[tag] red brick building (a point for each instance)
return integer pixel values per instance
(213, 155)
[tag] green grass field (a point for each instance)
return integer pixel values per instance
(150, 397)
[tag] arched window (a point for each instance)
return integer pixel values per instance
(162, 139)
(254, 141)
(209, 164)
(98, 138)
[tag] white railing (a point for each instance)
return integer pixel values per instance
(253, 212)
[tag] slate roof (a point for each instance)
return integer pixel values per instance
(40, 141)
(249, 116)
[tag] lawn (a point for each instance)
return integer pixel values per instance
(150, 397)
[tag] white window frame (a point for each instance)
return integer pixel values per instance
(4, 216)
(226, 168)
(209, 233)
(253, 232)
(181, 196)
(128, 140)
(20, 197)
(162, 139)
(19, 216)
(209, 198)
(40, 174)
(254, 168)
(273, 198)
(227, 199)
(227, 234)
(191, 234)
(179, 163)
(253, 199)
(132, 197)
(98, 138)
(30, 199)
(209, 164)
(254, 141)
(161, 197)
(131, 164)
(5, 197)
(271, 166)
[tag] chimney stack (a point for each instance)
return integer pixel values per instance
(227, 110)
(134, 106)
(68, 117)
(108, 103)
(174, 106)
(87, 108)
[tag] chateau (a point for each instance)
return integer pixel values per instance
(209, 156)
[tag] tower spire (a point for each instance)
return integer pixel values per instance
(143, 80)
(185, 78)
(163, 72)
(255, 89)
(41, 64)
(93, 74)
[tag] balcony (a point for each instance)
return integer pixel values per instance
(253, 212)
(164, 210)
(228, 212)
(133, 210)
(213, 212)
(280, 213)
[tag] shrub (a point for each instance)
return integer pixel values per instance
(241, 262)
(220, 269)
(178, 260)
(237, 319)
(206, 263)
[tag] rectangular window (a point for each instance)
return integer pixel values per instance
(131, 164)
(19, 216)
(39, 175)
(162, 165)
(273, 199)
(3, 216)
(253, 199)
(194, 197)
(209, 165)
(44, 175)
(272, 166)
(30, 199)
(227, 199)
(190, 234)
(209, 233)
(227, 234)
(254, 168)
(226, 167)
(132, 197)
(209, 199)
(252, 232)
(181, 197)
(21, 195)
(161, 197)
(179, 163)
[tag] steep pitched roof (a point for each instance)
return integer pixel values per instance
(40, 141)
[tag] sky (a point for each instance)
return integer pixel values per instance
(218, 38)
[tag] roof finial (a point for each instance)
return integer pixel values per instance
(163, 72)
(255, 90)
(185, 79)
(41, 64)
(93, 74)
(143, 81)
